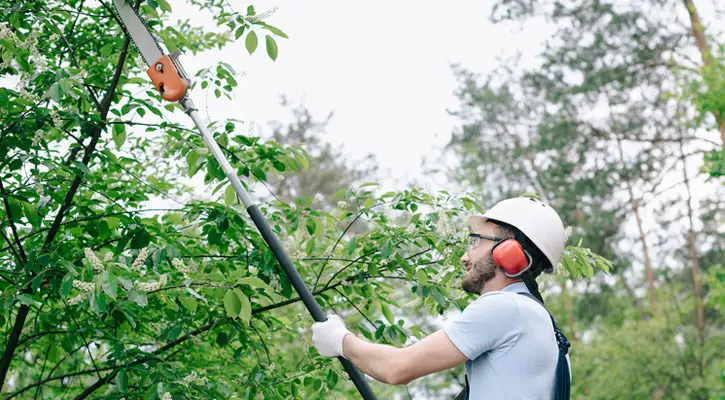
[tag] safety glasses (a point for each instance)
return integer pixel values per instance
(474, 239)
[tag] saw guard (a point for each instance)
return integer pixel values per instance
(166, 79)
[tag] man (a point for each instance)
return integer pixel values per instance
(506, 339)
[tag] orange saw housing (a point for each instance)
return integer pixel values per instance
(166, 79)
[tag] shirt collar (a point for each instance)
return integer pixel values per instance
(516, 287)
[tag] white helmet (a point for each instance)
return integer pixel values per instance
(535, 219)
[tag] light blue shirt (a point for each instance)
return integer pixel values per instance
(510, 343)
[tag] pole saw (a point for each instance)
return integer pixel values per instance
(171, 81)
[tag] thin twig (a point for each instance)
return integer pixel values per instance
(358, 310)
(332, 251)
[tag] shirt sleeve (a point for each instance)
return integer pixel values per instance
(486, 324)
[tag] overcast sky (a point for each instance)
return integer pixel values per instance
(382, 67)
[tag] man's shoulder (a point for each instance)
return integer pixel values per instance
(498, 300)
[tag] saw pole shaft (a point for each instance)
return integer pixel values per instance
(269, 237)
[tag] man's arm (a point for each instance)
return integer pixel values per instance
(400, 366)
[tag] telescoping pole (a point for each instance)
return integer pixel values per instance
(272, 241)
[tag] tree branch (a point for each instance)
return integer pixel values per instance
(23, 258)
(333, 249)
(40, 334)
(95, 217)
(266, 350)
(358, 310)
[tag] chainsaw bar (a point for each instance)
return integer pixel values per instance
(139, 32)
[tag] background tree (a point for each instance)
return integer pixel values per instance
(610, 128)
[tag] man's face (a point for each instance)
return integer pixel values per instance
(478, 261)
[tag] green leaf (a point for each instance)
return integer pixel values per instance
(67, 284)
(251, 42)
(422, 277)
(113, 222)
(31, 213)
(351, 246)
(387, 313)
(369, 202)
(246, 311)
(276, 31)
(232, 304)
(239, 32)
(222, 339)
(53, 93)
(82, 167)
(387, 248)
(109, 284)
(230, 195)
(164, 5)
(65, 86)
(98, 302)
(140, 299)
(119, 134)
(122, 380)
(319, 228)
(271, 47)
(189, 302)
(25, 299)
(255, 282)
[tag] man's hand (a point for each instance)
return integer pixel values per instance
(327, 336)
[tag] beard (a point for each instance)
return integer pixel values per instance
(482, 271)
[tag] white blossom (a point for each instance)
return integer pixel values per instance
(6, 32)
(342, 204)
(39, 188)
(263, 15)
(37, 137)
(43, 201)
(410, 229)
(31, 97)
(163, 279)
(57, 123)
(96, 264)
(140, 259)
(147, 286)
(189, 379)
(166, 396)
(180, 266)
(317, 199)
(83, 286)
(444, 226)
(78, 299)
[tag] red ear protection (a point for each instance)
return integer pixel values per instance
(511, 257)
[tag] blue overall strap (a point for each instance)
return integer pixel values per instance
(562, 385)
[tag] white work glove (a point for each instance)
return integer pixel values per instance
(327, 336)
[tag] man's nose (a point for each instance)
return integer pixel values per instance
(465, 257)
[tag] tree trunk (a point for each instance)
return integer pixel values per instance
(649, 272)
(12, 343)
(569, 311)
(694, 261)
(701, 42)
